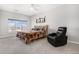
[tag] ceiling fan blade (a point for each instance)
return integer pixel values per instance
(35, 7)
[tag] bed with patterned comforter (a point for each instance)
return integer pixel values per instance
(36, 33)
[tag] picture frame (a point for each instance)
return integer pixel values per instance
(41, 20)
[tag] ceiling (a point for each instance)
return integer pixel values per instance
(27, 9)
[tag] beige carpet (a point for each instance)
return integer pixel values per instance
(13, 45)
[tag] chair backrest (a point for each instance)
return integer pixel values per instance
(61, 31)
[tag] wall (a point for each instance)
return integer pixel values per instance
(65, 15)
(4, 22)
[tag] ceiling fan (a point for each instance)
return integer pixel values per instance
(35, 7)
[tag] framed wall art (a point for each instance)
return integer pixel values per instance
(41, 20)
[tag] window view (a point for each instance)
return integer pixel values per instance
(16, 25)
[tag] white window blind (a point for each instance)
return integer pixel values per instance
(15, 25)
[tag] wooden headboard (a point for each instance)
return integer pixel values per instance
(43, 28)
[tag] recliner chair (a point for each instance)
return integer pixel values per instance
(59, 38)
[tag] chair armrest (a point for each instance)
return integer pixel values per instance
(52, 34)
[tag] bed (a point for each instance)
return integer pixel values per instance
(35, 33)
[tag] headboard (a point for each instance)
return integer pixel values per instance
(43, 28)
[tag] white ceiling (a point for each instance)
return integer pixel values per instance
(27, 9)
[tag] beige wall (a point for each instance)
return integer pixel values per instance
(4, 22)
(65, 15)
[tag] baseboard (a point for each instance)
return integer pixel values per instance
(74, 42)
(5, 36)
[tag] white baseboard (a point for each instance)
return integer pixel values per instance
(5, 36)
(74, 42)
(8, 35)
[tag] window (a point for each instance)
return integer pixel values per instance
(15, 25)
